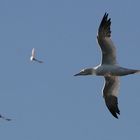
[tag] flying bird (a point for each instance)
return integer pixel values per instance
(109, 67)
(32, 58)
(7, 119)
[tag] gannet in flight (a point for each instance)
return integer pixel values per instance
(109, 67)
(32, 58)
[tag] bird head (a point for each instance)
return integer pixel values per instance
(88, 71)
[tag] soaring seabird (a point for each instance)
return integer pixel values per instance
(2, 117)
(109, 67)
(32, 58)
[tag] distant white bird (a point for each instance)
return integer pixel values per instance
(109, 67)
(32, 58)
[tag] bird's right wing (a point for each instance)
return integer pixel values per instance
(105, 42)
(39, 61)
(110, 93)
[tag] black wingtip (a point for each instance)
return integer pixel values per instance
(112, 105)
(106, 14)
(104, 28)
(106, 19)
(115, 114)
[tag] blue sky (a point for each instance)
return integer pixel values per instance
(45, 101)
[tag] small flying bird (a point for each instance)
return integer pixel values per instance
(32, 58)
(109, 67)
(7, 119)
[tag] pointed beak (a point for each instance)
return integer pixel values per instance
(84, 72)
(78, 74)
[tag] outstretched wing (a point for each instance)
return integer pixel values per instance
(39, 61)
(105, 42)
(110, 93)
(33, 52)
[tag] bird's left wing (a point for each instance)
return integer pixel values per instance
(33, 52)
(110, 93)
(105, 42)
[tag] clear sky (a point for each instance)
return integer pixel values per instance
(45, 101)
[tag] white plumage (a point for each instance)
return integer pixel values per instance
(32, 58)
(109, 67)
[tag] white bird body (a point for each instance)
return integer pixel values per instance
(109, 67)
(107, 70)
(32, 58)
(113, 70)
